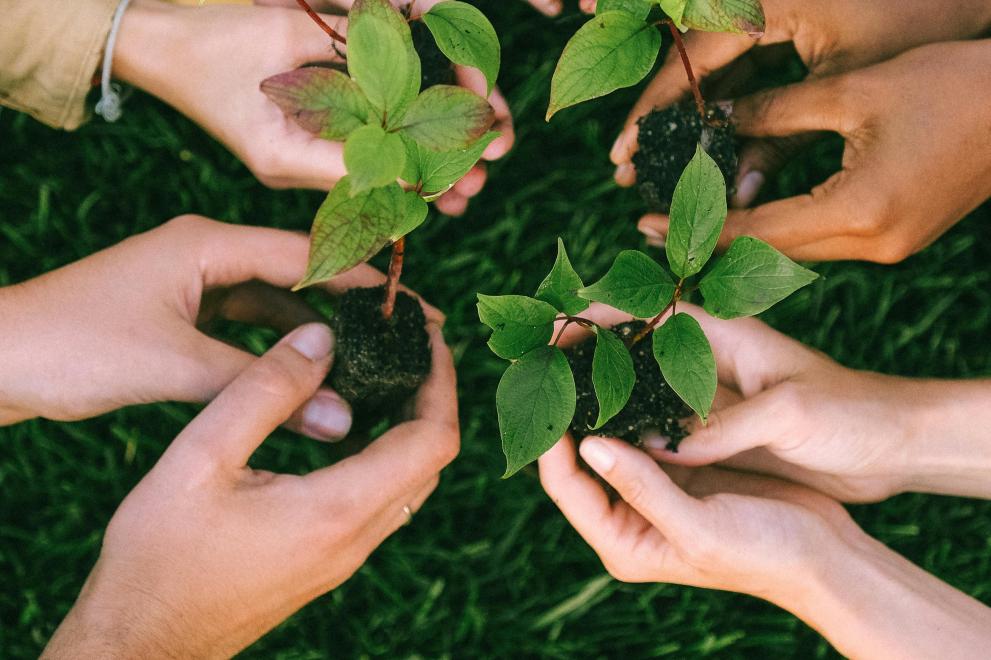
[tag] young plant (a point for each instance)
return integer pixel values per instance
(536, 398)
(391, 130)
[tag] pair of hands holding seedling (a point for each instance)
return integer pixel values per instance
(897, 81)
(206, 554)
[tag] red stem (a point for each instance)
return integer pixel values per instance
(647, 329)
(334, 34)
(680, 44)
(392, 283)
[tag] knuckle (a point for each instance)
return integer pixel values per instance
(791, 404)
(635, 491)
(275, 377)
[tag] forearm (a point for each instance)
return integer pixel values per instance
(870, 602)
(953, 454)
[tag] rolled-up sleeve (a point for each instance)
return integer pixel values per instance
(49, 53)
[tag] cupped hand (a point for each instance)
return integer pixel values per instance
(714, 528)
(830, 37)
(917, 157)
(206, 554)
(121, 327)
(454, 202)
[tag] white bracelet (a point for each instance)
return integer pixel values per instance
(109, 105)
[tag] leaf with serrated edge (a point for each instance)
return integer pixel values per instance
(560, 285)
(445, 117)
(751, 277)
(611, 51)
(373, 158)
(535, 402)
(349, 230)
(738, 16)
(698, 211)
(381, 58)
(635, 284)
(466, 37)
(322, 101)
(636, 8)
(439, 170)
(519, 324)
(613, 375)
(687, 363)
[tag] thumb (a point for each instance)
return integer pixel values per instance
(752, 423)
(262, 397)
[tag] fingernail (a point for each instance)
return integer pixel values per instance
(313, 341)
(750, 185)
(327, 417)
(597, 454)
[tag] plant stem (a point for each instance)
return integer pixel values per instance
(696, 91)
(647, 329)
(334, 34)
(392, 283)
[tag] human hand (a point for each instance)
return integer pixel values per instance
(720, 529)
(206, 554)
(121, 326)
(454, 202)
(917, 158)
(829, 37)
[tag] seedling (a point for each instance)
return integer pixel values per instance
(536, 398)
(618, 48)
(391, 130)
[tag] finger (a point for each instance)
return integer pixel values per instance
(473, 79)
(588, 6)
(582, 501)
(707, 51)
(406, 456)
(547, 7)
(261, 398)
(643, 485)
(453, 204)
(473, 182)
(816, 104)
(760, 159)
(260, 304)
(306, 161)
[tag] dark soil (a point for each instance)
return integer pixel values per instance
(652, 406)
(379, 364)
(435, 68)
(667, 143)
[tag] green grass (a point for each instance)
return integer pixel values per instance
(489, 568)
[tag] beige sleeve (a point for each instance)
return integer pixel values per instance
(49, 53)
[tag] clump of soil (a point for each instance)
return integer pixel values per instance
(653, 404)
(379, 364)
(435, 68)
(667, 143)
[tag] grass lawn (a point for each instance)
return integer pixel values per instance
(489, 568)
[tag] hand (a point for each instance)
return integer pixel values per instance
(917, 158)
(830, 37)
(796, 548)
(120, 327)
(206, 554)
(454, 202)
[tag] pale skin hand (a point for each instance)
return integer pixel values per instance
(785, 410)
(123, 326)
(206, 554)
(455, 202)
(720, 529)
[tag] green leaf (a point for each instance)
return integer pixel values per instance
(381, 58)
(414, 213)
(519, 324)
(322, 101)
(611, 51)
(687, 363)
(349, 230)
(698, 211)
(635, 284)
(466, 36)
(535, 402)
(739, 16)
(439, 170)
(373, 158)
(613, 376)
(560, 285)
(751, 277)
(445, 117)
(636, 8)
(675, 9)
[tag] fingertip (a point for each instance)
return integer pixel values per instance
(499, 146)
(598, 454)
(626, 175)
(472, 183)
(452, 204)
(654, 226)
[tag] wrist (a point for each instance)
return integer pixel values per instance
(150, 32)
